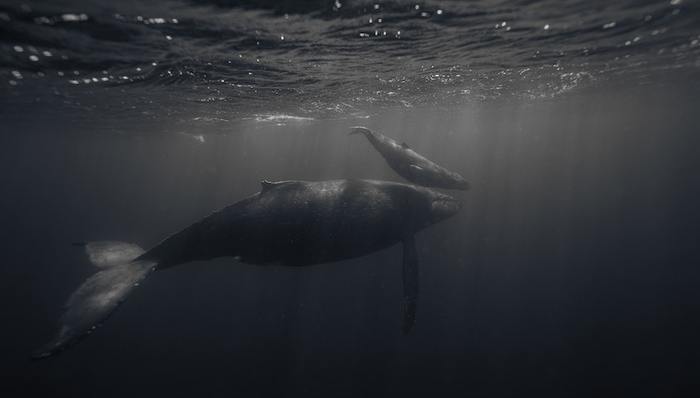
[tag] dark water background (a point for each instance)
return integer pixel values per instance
(571, 271)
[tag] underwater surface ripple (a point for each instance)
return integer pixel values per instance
(333, 58)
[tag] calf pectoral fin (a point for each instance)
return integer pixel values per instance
(416, 168)
(410, 284)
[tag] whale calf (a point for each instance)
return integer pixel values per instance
(291, 223)
(411, 165)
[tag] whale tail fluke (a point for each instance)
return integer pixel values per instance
(359, 130)
(97, 298)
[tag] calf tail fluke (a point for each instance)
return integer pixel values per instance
(359, 130)
(97, 298)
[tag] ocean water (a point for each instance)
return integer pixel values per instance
(572, 269)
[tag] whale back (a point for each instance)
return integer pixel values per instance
(303, 223)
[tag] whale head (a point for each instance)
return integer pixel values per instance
(458, 182)
(442, 206)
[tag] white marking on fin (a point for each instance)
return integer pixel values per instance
(100, 294)
(104, 254)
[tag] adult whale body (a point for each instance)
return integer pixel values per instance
(293, 223)
(411, 165)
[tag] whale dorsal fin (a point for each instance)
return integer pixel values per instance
(266, 185)
(405, 145)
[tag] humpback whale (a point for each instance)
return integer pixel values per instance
(411, 165)
(290, 223)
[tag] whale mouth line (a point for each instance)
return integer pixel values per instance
(445, 206)
(464, 184)
(448, 202)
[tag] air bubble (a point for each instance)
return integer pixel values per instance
(74, 17)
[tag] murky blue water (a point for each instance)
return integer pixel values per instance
(572, 269)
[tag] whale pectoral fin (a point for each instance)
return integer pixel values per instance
(410, 284)
(415, 168)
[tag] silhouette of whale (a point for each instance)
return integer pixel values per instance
(291, 223)
(411, 165)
